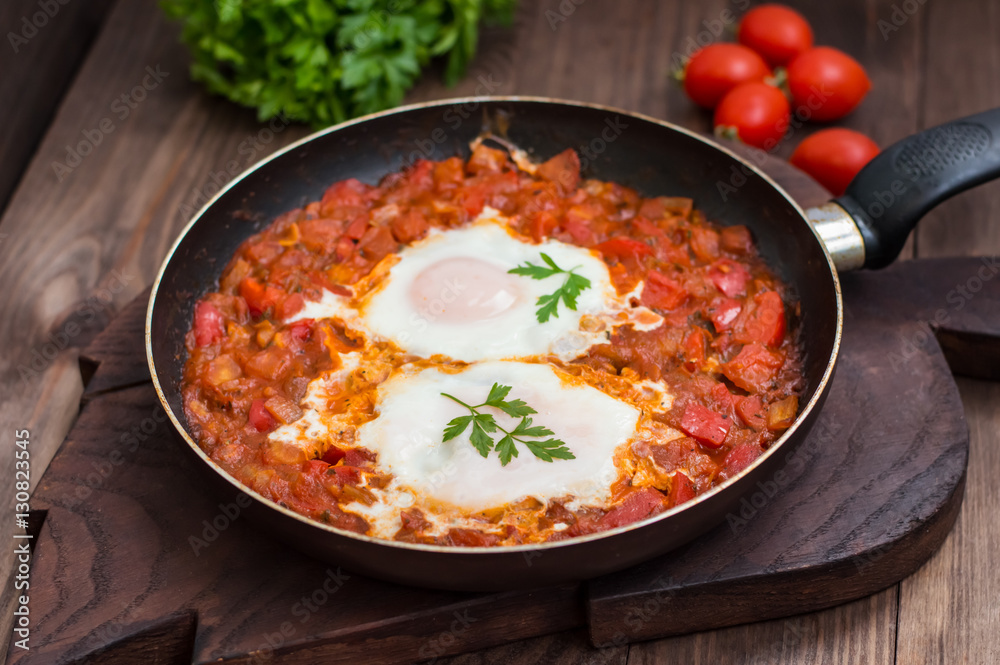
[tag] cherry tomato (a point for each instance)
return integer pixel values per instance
(778, 33)
(756, 113)
(718, 68)
(834, 156)
(826, 84)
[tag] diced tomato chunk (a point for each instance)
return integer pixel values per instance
(260, 298)
(766, 322)
(359, 457)
(472, 538)
(723, 312)
(751, 411)
(356, 229)
(302, 329)
(736, 239)
(260, 417)
(350, 192)
(290, 306)
(320, 235)
(333, 455)
(541, 225)
(624, 250)
(704, 425)
(754, 367)
(563, 169)
(661, 292)
(729, 277)
(638, 505)
(377, 243)
(739, 458)
(207, 324)
(705, 243)
(345, 475)
(409, 226)
(682, 489)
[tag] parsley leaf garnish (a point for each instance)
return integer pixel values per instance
(548, 306)
(483, 424)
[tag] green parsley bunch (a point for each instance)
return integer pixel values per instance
(324, 61)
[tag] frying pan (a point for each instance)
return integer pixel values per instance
(866, 227)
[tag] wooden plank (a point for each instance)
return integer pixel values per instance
(75, 250)
(948, 610)
(859, 632)
(569, 648)
(44, 45)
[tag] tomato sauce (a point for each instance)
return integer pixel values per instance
(727, 350)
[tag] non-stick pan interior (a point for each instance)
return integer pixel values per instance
(654, 158)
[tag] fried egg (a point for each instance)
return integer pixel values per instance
(452, 294)
(413, 413)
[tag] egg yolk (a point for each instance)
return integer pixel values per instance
(463, 289)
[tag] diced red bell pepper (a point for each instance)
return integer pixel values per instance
(661, 292)
(704, 425)
(729, 277)
(208, 327)
(682, 489)
(260, 417)
(753, 368)
(695, 349)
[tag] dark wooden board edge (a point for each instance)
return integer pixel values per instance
(651, 615)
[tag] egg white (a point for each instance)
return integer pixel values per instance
(412, 414)
(451, 294)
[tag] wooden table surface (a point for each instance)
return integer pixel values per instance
(79, 240)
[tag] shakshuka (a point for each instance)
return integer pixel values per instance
(491, 352)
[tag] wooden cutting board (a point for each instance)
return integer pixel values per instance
(135, 561)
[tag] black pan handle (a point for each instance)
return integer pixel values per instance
(890, 195)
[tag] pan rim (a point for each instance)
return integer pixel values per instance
(483, 551)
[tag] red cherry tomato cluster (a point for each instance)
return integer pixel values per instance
(755, 87)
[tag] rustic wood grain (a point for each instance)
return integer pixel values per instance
(38, 64)
(875, 494)
(949, 610)
(859, 632)
(67, 237)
